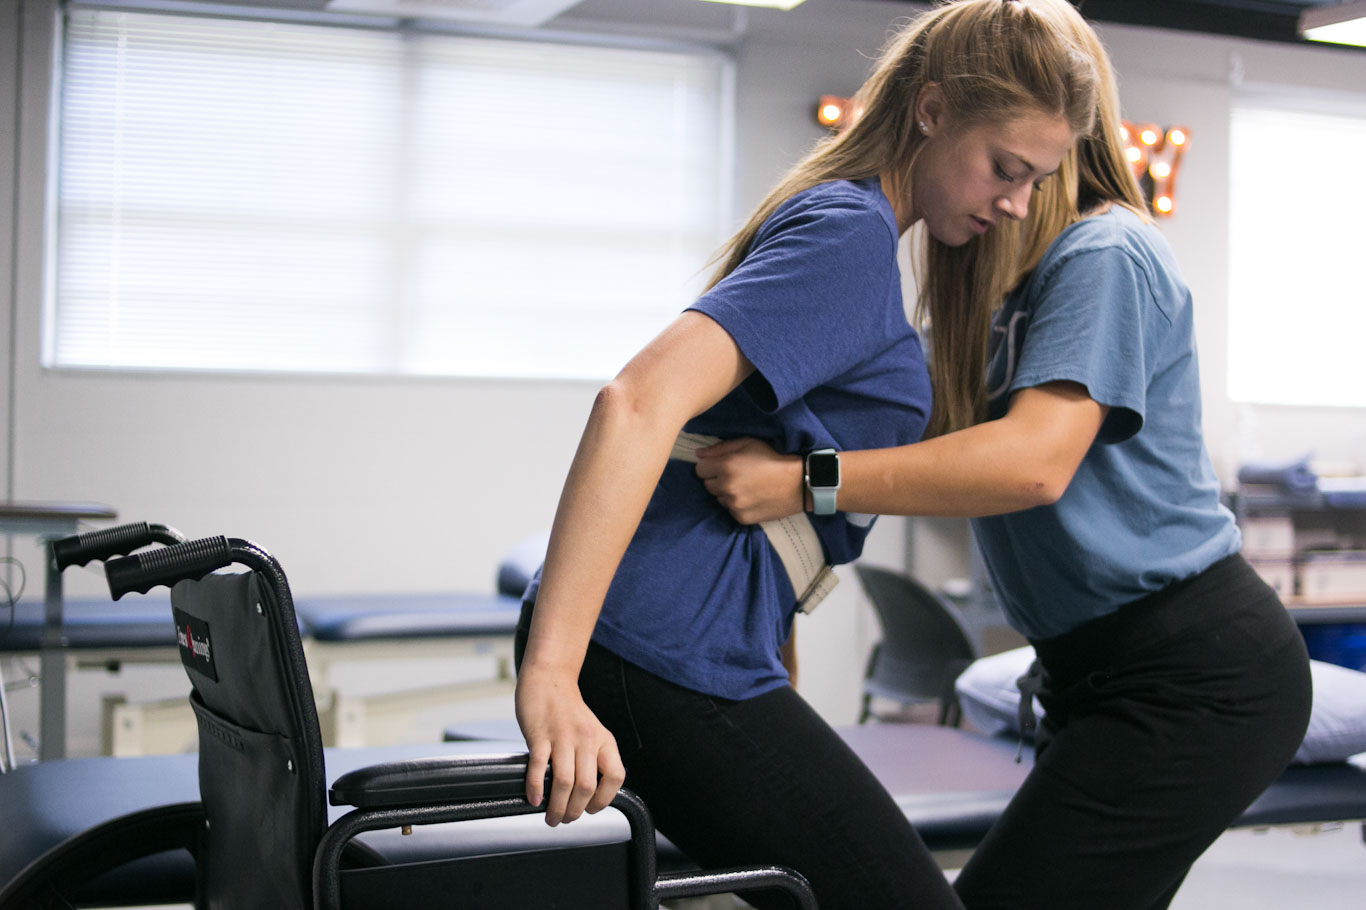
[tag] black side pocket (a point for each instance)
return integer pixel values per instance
(259, 853)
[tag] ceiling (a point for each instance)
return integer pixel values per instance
(1266, 20)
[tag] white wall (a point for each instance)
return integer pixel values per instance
(376, 485)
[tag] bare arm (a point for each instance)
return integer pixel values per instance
(630, 432)
(1025, 459)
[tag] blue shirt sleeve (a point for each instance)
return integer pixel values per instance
(1095, 322)
(807, 304)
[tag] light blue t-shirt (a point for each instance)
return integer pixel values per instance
(816, 306)
(1107, 308)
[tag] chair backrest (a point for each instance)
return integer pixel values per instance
(520, 563)
(261, 774)
(924, 644)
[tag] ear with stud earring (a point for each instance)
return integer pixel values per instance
(923, 128)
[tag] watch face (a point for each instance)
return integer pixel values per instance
(823, 469)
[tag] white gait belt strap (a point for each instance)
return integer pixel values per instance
(793, 538)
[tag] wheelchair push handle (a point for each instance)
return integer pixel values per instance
(193, 560)
(101, 545)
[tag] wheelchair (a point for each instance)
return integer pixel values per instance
(259, 834)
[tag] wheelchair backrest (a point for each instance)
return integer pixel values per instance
(260, 748)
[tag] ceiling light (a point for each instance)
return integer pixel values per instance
(1344, 23)
(776, 4)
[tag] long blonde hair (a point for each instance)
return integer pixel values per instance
(1094, 172)
(994, 60)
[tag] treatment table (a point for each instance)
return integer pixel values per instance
(338, 632)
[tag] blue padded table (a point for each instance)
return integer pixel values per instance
(356, 618)
(133, 623)
(95, 633)
(454, 634)
(953, 783)
(143, 621)
(138, 629)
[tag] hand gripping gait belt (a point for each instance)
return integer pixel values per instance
(793, 538)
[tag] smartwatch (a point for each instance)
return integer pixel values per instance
(823, 479)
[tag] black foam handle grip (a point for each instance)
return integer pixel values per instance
(101, 545)
(143, 571)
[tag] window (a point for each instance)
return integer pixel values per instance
(1297, 299)
(248, 195)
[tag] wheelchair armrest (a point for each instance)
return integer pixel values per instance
(427, 781)
(486, 786)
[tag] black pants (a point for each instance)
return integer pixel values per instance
(760, 781)
(1163, 722)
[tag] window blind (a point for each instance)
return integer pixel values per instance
(249, 195)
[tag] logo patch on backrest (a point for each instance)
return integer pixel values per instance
(196, 647)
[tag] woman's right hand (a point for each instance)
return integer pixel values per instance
(751, 480)
(562, 732)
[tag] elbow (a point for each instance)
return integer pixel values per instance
(620, 405)
(614, 401)
(1048, 494)
(638, 407)
(1044, 488)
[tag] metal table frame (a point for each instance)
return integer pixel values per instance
(49, 521)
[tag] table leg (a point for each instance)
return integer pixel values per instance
(52, 667)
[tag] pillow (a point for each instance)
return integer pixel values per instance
(987, 694)
(1337, 724)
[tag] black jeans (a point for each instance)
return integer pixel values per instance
(1163, 722)
(760, 781)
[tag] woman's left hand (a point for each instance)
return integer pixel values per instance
(751, 480)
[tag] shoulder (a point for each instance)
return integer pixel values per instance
(1117, 237)
(836, 207)
(1118, 228)
(1118, 253)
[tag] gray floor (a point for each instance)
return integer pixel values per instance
(1279, 869)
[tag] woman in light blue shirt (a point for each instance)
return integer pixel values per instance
(1176, 687)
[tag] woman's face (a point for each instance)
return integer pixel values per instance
(965, 180)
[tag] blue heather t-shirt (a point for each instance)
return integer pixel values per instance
(816, 306)
(1107, 308)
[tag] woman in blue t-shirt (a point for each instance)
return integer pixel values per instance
(1175, 685)
(650, 645)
